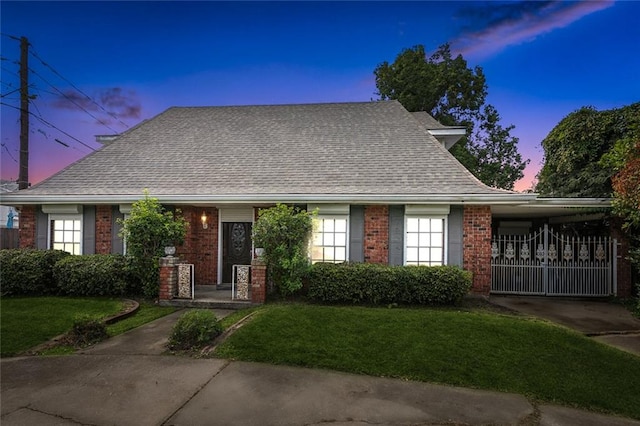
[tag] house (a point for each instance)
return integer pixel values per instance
(382, 180)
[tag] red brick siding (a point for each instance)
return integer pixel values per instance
(103, 229)
(476, 254)
(201, 245)
(376, 234)
(27, 233)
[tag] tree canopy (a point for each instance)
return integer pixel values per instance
(585, 149)
(454, 94)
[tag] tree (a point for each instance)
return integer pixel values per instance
(148, 229)
(283, 232)
(580, 153)
(455, 94)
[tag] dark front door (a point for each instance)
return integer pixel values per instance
(236, 247)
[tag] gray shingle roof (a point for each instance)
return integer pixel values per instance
(372, 149)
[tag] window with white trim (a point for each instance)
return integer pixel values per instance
(329, 241)
(65, 233)
(425, 241)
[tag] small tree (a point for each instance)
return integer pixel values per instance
(284, 232)
(147, 230)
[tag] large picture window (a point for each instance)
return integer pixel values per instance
(425, 241)
(329, 242)
(66, 233)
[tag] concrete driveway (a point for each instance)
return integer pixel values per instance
(604, 321)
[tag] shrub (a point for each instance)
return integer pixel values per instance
(147, 230)
(94, 275)
(29, 272)
(284, 232)
(363, 283)
(194, 329)
(86, 331)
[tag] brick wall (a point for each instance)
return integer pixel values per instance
(28, 227)
(103, 229)
(476, 249)
(201, 245)
(376, 234)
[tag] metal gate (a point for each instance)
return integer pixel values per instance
(546, 263)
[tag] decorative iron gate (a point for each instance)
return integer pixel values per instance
(546, 263)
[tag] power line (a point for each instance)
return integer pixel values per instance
(4, 145)
(74, 102)
(35, 55)
(53, 126)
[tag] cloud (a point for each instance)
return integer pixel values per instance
(496, 26)
(106, 105)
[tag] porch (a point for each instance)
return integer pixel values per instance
(209, 297)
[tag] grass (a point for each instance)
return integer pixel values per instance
(474, 349)
(29, 321)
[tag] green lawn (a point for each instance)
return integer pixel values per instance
(29, 321)
(472, 349)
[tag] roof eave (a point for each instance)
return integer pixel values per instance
(498, 198)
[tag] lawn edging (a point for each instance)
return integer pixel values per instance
(210, 349)
(130, 308)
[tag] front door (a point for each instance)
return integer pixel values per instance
(236, 247)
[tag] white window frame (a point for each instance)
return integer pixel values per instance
(63, 217)
(445, 239)
(322, 218)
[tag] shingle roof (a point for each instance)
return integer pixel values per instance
(372, 149)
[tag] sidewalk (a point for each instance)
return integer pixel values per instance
(126, 381)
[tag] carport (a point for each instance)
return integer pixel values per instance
(558, 247)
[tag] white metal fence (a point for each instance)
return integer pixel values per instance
(546, 263)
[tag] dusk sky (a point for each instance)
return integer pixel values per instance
(99, 67)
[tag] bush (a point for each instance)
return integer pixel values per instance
(194, 329)
(94, 275)
(148, 229)
(283, 232)
(373, 284)
(29, 272)
(86, 331)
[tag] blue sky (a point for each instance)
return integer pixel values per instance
(132, 60)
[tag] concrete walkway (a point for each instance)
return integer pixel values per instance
(126, 381)
(604, 321)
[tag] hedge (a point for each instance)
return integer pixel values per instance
(373, 284)
(29, 272)
(94, 275)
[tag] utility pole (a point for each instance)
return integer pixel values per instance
(23, 176)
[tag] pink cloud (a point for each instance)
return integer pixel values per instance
(113, 104)
(519, 23)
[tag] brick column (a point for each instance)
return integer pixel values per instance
(168, 277)
(476, 252)
(258, 282)
(27, 232)
(376, 234)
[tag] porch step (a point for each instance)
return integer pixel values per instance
(206, 304)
